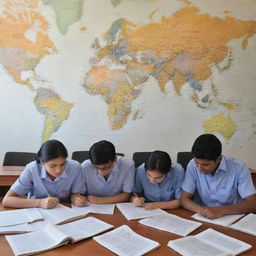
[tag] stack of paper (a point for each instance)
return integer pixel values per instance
(132, 212)
(171, 223)
(124, 241)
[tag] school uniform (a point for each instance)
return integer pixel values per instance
(121, 178)
(166, 190)
(35, 182)
(228, 186)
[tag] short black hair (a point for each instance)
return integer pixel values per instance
(102, 152)
(159, 161)
(51, 149)
(207, 146)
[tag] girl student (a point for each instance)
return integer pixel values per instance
(48, 180)
(158, 182)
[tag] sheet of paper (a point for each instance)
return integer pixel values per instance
(223, 242)
(14, 217)
(247, 224)
(192, 246)
(171, 223)
(223, 221)
(132, 212)
(96, 208)
(60, 214)
(124, 241)
(16, 229)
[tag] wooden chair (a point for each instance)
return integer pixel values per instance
(81, 156)
(139, 158)
(18, 158)
(183, 158)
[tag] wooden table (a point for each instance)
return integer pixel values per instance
(90, 247)
(9, 174)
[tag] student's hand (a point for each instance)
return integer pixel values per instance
(138, 201)
(151, 206)
(49, 202)
(78, 200)
(211, 212)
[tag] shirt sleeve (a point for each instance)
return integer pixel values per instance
(245, 183)
(128, 182)
(24, 184)
(83, 176)
(189, 183)
(180, 179)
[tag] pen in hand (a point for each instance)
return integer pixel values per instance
(138, 200)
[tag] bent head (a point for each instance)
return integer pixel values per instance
(53, 156)
(157, 165)
(103, 156)
(207, 153)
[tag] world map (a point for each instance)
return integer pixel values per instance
(185, 49)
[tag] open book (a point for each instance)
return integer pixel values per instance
(171, 223)
(246, 224)
(210, 243)
(53, 236)
(61, 214)
(123, 241)
(132, 212)
(14, 217)
(96, 208)
(225, 220)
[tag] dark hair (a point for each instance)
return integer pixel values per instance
(207, 146)
(51, 149)
(159, 161)
(102, 152)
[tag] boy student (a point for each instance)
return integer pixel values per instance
(158, 181)
(108, 178)
(48, 180)
(223, 185)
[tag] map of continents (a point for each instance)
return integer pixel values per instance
(181, 48)
(23, 43)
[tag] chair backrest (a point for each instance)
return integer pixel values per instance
(81, 156)
(183, 158)
(139, 158)
(18, 158)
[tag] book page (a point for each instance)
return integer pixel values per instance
(16, 229)
(34, 242)
(223, 242)
(96, 208)
(171, 223)
(60, 214)
(132, 212)
(223, 221)
(123, 241)
(14, 217)
(84, 228)
(246, 224)
(192, 246)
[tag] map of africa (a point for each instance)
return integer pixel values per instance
(99, 69)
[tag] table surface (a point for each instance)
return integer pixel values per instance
(8, 174)
(92, 248)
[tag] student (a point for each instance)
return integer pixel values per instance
(158, 181)
(48, 180)
(222, 185)
(108, 179)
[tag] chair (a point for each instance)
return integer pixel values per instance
(139, 158)
(81, 156)
(183, 158)
(18, 158)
